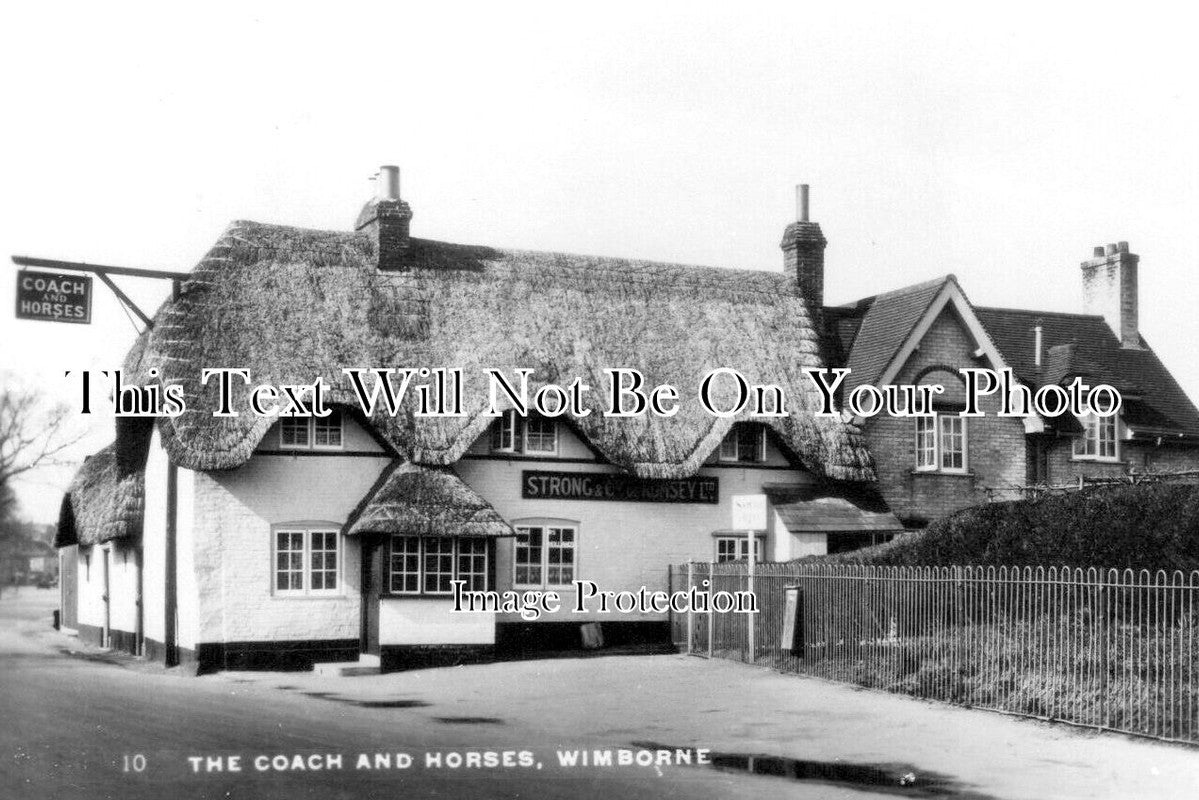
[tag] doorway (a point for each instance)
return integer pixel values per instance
(373, 552)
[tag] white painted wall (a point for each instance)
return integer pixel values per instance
(122, 584)
(407, 621)
(621, 545)
(235, 512)
(153, 540)
(91, 586)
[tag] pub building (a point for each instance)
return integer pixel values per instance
(250, 541)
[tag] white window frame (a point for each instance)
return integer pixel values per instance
(933, 459)
(505, 428)
(737, 545)
(306, 533)
(730, 446)
(552, 450)
(480, 552)
(311, 422)
(1092, 424)
(515, 431)
(543, 566)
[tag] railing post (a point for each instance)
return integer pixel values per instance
(690, 610)
(749, 621)
(1100, 612)
(711, 617)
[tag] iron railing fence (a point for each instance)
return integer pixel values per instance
(1106, 649)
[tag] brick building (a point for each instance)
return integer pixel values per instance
(925, 333)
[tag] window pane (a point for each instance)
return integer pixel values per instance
(726, 550)
(293, 432)
(527, 556)
(405, 564)
(1106, 437)
(541, 435)
(324, 560)
(438, 565)
(560, 556)
(751, 440)
(327, 432)
(289, 561)
(503, 432)
(472, 563)
(953, 442)
(926, 442)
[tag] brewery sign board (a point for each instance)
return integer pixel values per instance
(54, 297)
(539, 485)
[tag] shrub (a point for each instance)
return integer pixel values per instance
(1154, 526)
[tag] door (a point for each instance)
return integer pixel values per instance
(373, 552)
(105, 567)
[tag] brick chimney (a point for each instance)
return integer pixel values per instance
(803, 254)
(1109, 288)
(386, 219)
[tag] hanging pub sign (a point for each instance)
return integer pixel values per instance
(537, 485)
(54, 297)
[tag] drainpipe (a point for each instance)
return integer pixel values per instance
(169, 643)
(139, 634)
(170, 604)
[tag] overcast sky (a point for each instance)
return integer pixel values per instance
(1000, 146)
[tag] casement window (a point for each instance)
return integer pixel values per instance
(1099, 440)
(311, 433)
(544, 555)
(307, 561)
(745, 443)
(428, 565)
(532, 435)
(734, 548)
(941, 443)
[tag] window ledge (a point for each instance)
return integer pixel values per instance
(941, 473)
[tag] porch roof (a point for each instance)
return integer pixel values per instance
(412, 500)
(805, 510)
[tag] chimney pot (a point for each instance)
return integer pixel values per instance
(803, 255)
(1122, 247)
(1099, 251)
(1111, 250)
(389, 182)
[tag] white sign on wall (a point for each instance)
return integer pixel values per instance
(749, 512)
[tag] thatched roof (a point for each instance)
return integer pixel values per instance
(291, 304)
(106, 499)
(411, 500)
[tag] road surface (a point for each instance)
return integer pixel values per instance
(78, 722)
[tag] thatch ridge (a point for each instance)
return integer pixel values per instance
(411, 500)
(291, 304)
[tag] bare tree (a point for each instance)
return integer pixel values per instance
(33, 433)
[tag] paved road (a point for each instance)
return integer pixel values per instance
(79, 714)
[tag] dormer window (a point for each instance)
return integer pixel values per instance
(1099, 441)
(311, 433)
(745, 444)
(530, 435)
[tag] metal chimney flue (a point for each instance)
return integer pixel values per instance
(389, 182)
(801, 202)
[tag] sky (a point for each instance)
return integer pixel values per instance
(1000, 145)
